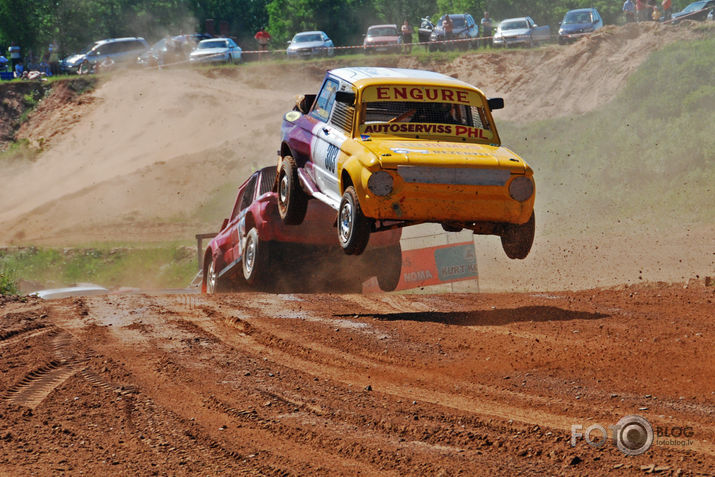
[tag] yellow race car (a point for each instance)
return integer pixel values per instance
(389, 148)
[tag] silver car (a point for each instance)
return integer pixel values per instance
(310, 43)
(520, 31)
(118, 49)
(216, 50)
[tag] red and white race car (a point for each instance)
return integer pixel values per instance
(255, 249)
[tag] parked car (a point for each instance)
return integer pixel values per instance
(310, 43)
(577, 23)
(171, 49)
(425, 30)
(255, 249)
(382, 38)
(520, 31)
(463, 27)
(216, 50)
(388, 147)
(120, 50)
(698, 11)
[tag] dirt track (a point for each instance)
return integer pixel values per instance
(354, 384)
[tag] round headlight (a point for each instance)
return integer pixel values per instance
(380, 183)
(521, 188)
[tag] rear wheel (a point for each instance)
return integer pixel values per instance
(516, 240)
(353, 226)
(390, 268)
(255, 259)
(292, 201)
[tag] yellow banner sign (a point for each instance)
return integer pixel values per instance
(430, 94)
(423, 129)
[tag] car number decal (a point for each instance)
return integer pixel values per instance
(331, 158)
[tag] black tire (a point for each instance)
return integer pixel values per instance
(516, 240)
(353, 226)
(292, 201)
(255, 259)
(214, 283)
(390, 269)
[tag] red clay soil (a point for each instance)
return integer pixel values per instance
(356, 384)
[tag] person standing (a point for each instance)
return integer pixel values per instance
(15, 55)
(667, 9)
(406, 31)
(629, 10)
(262, 37)
(486, 29)
(448, 28)
(640, 9)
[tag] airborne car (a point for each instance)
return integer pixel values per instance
(255, 250)
(388, 148)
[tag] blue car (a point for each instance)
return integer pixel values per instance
(697, 11)
(577, 23)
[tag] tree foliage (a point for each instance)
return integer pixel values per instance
(75, 23)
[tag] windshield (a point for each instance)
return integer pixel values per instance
(516, 25)
(305, 38)
(212, 44)
(457, 21)
(382, 31)
(424, 111)
(577, 17)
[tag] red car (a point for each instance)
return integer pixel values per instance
(382, 38)
(255, 249)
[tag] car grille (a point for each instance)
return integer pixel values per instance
(453, 176)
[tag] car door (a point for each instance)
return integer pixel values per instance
(237, 224)
(472, 29)
(326, 141)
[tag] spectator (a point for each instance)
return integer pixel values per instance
(448, 27)
(54, 58)
(263, 37)
(486, 29)
(19, 69)
(3, 63)
(649, 7)
(15, 55)
(640, 10)
(406, 36)
(629, 10)
(667, 9)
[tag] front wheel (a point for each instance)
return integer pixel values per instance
(516, 240)
(292, 201)
(353, 226)
(214, 283)
(255, 259)
(390, 269)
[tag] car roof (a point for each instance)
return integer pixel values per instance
(582, 10)
(514, 19)
(304, 32)
(367, 75)
(214, 39)
(114, 40)
(383, 26)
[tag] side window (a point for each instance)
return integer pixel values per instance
(326, 98)
(246, 197)
(268, 179)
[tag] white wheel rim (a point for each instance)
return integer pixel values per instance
(283, 189)
(346, 221)
(211, 279)
(250, 255)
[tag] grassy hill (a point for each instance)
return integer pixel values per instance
(647, 155)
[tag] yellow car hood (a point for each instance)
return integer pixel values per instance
(392, 153)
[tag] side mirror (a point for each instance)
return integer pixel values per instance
(288, 42)
(347, 97)
(495, 103)
(224, 224)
